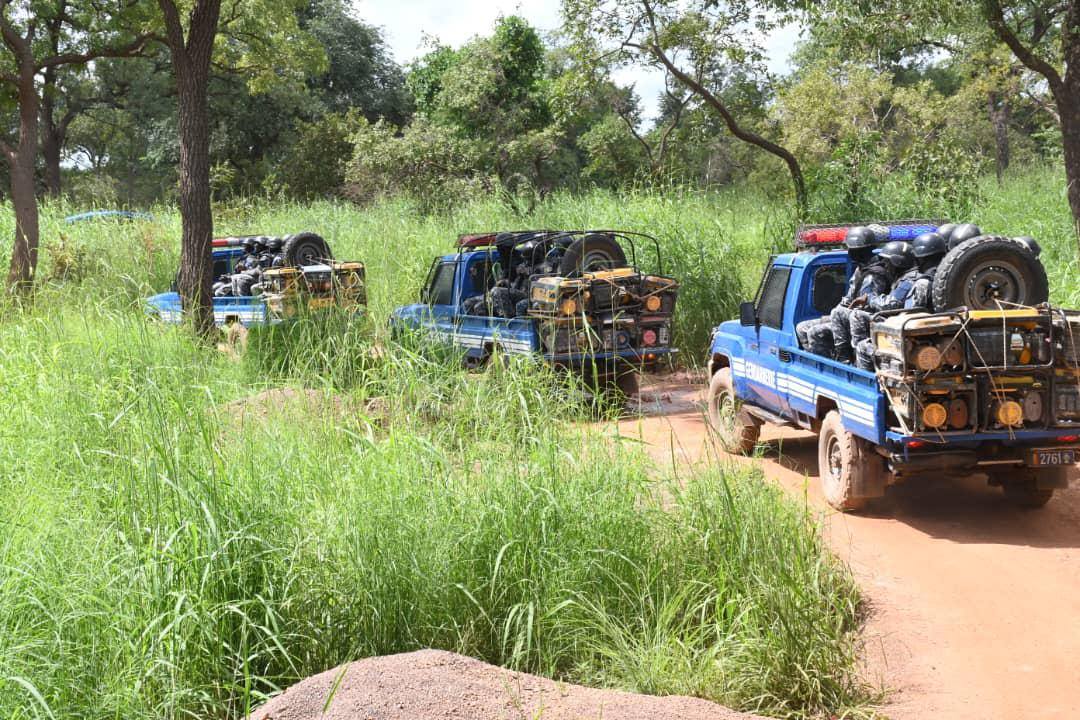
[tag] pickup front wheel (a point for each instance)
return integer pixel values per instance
(844, 461)
(736, 429)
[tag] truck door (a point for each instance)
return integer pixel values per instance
(766, 365)
(438, 295)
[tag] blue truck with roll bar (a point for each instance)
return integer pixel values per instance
(953, 393)
(583, 303)
(248, 310)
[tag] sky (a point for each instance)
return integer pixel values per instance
(407, 23)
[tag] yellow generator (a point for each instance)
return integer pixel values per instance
(293, 291)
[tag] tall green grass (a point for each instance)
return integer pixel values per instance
(173, 547)
(175, 541)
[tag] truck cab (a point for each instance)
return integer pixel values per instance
(956, 417)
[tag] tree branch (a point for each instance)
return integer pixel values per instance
(174, 30)
(133, 48)
(747, 136)
(661, 151)
(621, 112)
(995, 16)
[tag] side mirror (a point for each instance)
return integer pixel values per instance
(747, 314)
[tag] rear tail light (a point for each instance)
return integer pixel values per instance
(1068, 438)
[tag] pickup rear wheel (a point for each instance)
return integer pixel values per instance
(843, 463)
(736, 429)
(1023, 488)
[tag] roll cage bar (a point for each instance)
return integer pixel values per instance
(512, 240)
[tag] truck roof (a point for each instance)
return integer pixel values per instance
(802, 259)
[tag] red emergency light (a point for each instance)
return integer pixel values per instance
(227, 242)
(823, 236)
(476, 240)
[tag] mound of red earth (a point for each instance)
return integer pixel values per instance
(437, 685)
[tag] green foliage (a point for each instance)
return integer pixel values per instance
(876, 149)
(427, 162)
(614, 153)
(315, 165)
(360, 75)
(186, 534)
(485, 121)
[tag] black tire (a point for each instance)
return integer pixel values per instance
(306, 249)
(591, 253)
(1027, 495)
(980, 272)
(626, 383)
(1032, 489)
(736, 430)
(843, 462)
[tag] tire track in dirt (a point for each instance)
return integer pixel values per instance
(974, 604)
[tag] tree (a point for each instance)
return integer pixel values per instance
(692, 42)
(77, 32)
(360, 73)
(1060, 66)
(258, 32)
(1043, 35)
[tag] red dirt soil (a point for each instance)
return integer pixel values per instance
(437, 685)
(974, 604)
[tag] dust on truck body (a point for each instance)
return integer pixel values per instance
(579, 302)
(957, 392)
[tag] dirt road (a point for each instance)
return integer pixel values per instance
(975, 605)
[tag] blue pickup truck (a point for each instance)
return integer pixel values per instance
(305, 277)
(991, 389)
(574, 298)
(247, 310)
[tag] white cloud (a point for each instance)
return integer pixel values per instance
(405, 24)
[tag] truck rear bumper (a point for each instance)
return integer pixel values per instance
(986, 458)
(632, 357)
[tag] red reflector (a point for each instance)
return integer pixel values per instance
(649, 337)
(915, 444)
(825, 235)
(1068, 438)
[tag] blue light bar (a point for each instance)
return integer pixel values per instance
(909, 232)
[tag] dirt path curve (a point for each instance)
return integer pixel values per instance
(975, 605)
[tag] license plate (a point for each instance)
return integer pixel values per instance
(1041, 458)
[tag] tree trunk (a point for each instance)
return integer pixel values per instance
(24, 254)
(50, 139)
(1070, 140)
(195, 281)
(1000, 113)
(191, 68)
(51, 144)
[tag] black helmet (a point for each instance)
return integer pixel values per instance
(249, 244)
(898, 254)
(275, 244)
(929, 244)
(963, 233)
(1030, 244)
(859, 237)
(946, 231)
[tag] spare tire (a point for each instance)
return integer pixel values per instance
(988, 272)
(306, 249)
(591, 253)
